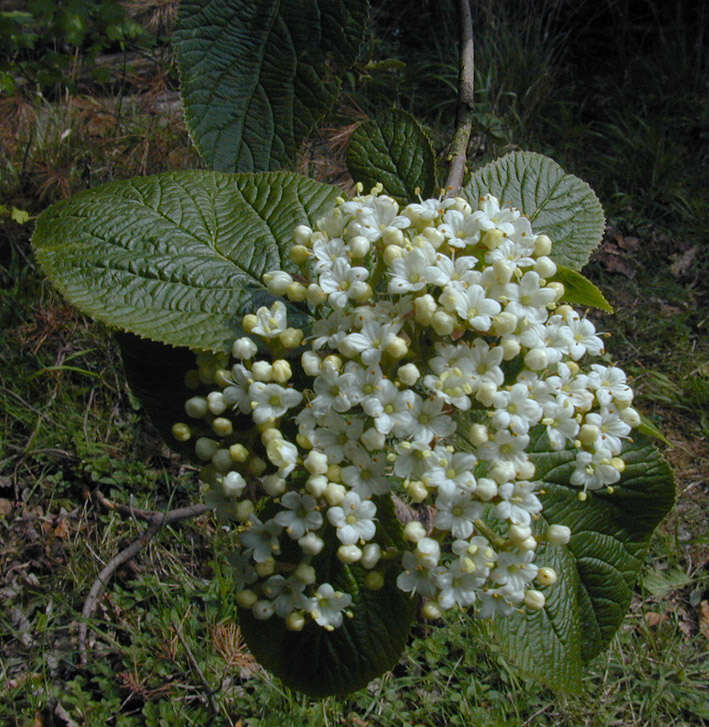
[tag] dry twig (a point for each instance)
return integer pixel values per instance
(464, 120)
(155, 521)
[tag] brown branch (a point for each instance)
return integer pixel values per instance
(464, 121)
(155, 521)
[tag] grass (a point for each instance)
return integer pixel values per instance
(164, 645)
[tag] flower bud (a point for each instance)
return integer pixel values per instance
(244, 510)
(558, 289)
(334, 494)
(373, 440)
(546, 576)
(431, 611)
(281, 371)
(262, 610)
(486, 489)
(249, 322)
(266, 568)
(305, 573)
(391, 253)
(534, 600)
(408, 374)
(359, 246)
(204, 448)
(315, 295)
(196, 407)
(277, 281)
(349, 553)
(295, 621)
(246, 598)
(310, 362)
(311, 544)
(393, 236)
(504, 323)
(492, 238)
(316, 485)
(238, 453)
(316, 462)
(424, 308)
(417, 491)
(477, 434)
(558, 534)
(510, 348)
(222, 461)
(291, 337)
(181, 432)
(414, 531)
(442, 323)
(371, 553)
(222, 427)
(296, 292)
(545, 267)
(262, 370)
(542, 246)
(397, 347)
(273, 485)
(536, 359)
(374, 580)
(233, 484)
(302, 234)
(519, 533)
(300, 254)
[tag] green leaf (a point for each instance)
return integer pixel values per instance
(597, 569)
(579, 290)
(256, 76)
(395, 150)
(647, 428)
(323, 663)
(558, 204)
(177, 257)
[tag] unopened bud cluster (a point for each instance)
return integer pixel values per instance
(439, 349)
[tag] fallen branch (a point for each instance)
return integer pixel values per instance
(155, 521)
(464, 120)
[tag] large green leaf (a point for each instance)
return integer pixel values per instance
(393, 149)
(256, 76)
(177, 257)
(323, 663)
(597, 569)
(559, 205)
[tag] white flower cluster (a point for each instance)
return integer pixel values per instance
(438, 348)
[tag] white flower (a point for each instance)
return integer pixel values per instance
(286, 595)
(353, 519)
(456, 513)
(301, 515)
(261, 539)
(271, 401)
(341, 282)
(271, 321)
(329, 606)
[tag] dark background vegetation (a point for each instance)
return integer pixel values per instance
(616, 91)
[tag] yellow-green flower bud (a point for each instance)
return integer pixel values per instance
(181, 432)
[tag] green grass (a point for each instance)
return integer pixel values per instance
(69, 425)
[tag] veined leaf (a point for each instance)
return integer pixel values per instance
(597, 569)
(255, 75)
(393, 149)
(323, 663)
(579, 290)
(177, 257)
(558, 204)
